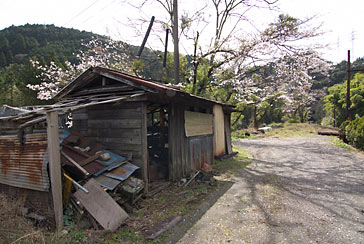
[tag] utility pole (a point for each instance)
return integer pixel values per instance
(348, 88)
(165, 49)
(146, 36)
(175, 41)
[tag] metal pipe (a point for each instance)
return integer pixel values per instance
(75, 183)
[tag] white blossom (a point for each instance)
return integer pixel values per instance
(106, 53)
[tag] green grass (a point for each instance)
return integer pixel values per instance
(339, 143)
(292, 129)
(124, 236)
(232, 165)
(280, 130)
(238, 136)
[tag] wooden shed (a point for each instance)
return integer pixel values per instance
(168, 132)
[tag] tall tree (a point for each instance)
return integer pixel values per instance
(228, 44)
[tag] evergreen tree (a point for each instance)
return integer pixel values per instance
(18, 45)
(9, 56)
(2, 59)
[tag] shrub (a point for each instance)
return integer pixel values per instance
(293, 120)
(327, 121)
(342, 128)
(355, 132)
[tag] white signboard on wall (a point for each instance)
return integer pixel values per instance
(197, 124)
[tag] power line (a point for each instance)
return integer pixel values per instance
(99, 11)
(352, 40)
(81, 12)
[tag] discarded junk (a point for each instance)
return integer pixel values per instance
(102, 180)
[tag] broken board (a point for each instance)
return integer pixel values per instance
(101, 206)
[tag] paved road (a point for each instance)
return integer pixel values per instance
(296, 190)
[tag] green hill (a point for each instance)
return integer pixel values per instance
(19, 43)
(46, 43)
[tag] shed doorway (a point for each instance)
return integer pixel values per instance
(157, 137)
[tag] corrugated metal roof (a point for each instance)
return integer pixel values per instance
(24, 166)
(85, 78)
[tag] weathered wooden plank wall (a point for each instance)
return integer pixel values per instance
(118, 127)
(79, 121)
(179, 161)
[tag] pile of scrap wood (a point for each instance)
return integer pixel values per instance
(98, 181)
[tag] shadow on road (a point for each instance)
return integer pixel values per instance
(326, 182)
(190, 220)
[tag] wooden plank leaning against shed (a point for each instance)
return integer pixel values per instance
(55, 166)
(101, 206)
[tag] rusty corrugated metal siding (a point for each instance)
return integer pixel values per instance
(24, 166)
(201, 151)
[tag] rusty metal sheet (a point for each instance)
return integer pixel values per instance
(24, 166)
(107, 182)
(122, 172)
(78, 156)
(201, 151)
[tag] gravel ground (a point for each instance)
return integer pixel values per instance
(296, 190)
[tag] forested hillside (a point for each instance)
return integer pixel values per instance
(18, 44)
(50, 44)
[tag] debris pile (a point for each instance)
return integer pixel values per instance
(98, 181)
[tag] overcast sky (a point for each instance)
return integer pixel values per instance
(342, 20)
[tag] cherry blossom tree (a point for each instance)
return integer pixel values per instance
(100, 52)
(288, 79)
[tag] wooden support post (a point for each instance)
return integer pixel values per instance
(55, 166)
(145, 147)
(161, 123)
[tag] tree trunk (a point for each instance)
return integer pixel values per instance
(255, 117)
